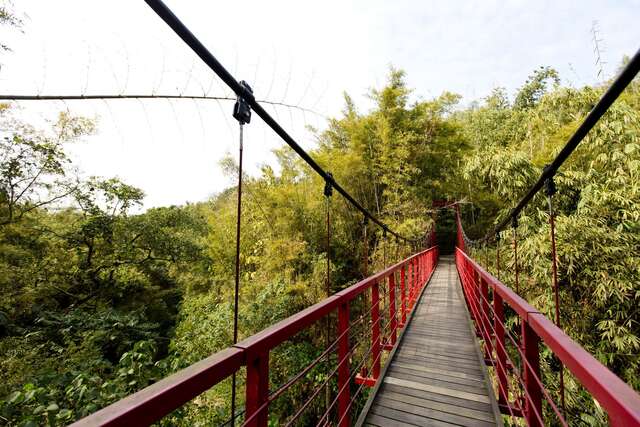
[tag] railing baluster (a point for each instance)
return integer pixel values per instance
(344, 392)
(375, 331)
(533, 407)
(475, 300)
(409, 285)
(484, 291)
(392, 308)
(501, 354)
(257, 389)
(403, 297)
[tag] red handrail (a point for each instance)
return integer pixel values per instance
(152, 403)
(620, 401)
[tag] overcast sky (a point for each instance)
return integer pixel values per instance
(297, 52)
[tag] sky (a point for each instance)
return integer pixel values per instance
(300, 53)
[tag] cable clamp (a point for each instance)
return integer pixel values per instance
(328, 188)
(242, 109)
(549, 184)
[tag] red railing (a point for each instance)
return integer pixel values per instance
(486, 298)
(382, 318)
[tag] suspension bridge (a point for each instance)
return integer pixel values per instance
(435, 339)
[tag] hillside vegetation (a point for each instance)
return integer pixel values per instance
(99, 302)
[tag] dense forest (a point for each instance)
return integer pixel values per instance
(100, 300)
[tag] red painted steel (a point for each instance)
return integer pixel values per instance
(392, 309)
(344, 393)
(375, 333)
(501, 354)
(158, 400)
(257, 389)
(486, 318)
(620, 401)
(403, 297)
(533, 407)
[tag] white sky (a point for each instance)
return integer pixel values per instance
(298, 52)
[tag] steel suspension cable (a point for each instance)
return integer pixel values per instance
(82, 97)
(623, 79)
(328, 192)
(207, 57)
(237, 272)
(550, 190)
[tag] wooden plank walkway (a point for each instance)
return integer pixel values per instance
(436, 376)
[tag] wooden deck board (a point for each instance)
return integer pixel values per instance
(436, 376)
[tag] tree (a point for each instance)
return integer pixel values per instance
(34, 169)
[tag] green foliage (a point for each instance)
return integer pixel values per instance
(597, 210)
(99, 301)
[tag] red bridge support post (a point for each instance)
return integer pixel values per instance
(344, 392)
(257, 390)
(486, 320)
(392, 309)
(474, 278)
(409, 285)
(416, 280)
(403, 297)
(533, 408)
(501, 354)
(375, 331)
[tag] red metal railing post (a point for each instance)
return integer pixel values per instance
(257, 389)
(424, 268)
(473, 295)
(501, 354)
(344, 392)
(486, 319)
(416, 281)
(533, 407)
(403, 297)
(375, 331)
(392, 308)
(427, 265)
(409, 285)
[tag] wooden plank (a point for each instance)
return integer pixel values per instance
(455, 374)
(436, 376)
(450, 365)
(439, 362)
(439, 353)
(381, 421)
(434, 397)
(436, 389)
(440, 328)
(461, 351)
(407, 418)
(433, 414)
(442, 366)
(436, 355)
(443, 407)
(393, 373)
(441, 334)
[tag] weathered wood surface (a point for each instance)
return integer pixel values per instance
(436, 376)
